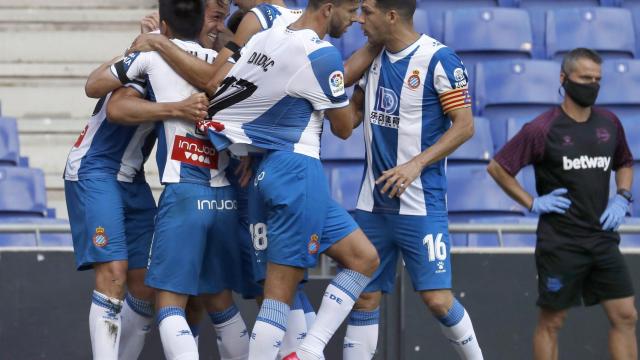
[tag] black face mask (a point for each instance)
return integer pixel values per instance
(584, 95)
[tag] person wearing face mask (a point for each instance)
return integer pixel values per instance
(573, 148)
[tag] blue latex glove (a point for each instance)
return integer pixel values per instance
(614, 214)
(553, 202)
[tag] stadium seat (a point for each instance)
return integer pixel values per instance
(9, 147)
(473, 193)
(508, 239)
(22, 192)
(515, 89)
(479, 147)
(610, 31)
(352, 40)
(435, 11)
(345, 178)
(630, 240)
(29, 239)
(421, 21)
(620, 87)
(334, 148)
(631, 127)
(483, 34)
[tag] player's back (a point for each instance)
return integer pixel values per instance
(275, 95)
(184, 154)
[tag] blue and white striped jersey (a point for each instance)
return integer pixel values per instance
(275, 96)
(184, 154)
(104, 149)
(273, 15)
(407, 98)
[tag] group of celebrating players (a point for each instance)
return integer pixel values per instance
(246, 206)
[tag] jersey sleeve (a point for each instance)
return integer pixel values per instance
(525, 148)
(266, 14)
(622, 157)
(132, 70)
(322, 80)
(451, 81)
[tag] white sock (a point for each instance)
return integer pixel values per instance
(268, 331)
(232, 335)
(296, 328)
(105, 326)
(137, 316)
(177, 341)
(309, 311)
(195, 332)
(361, 339)
(457, 327)
(337, 302)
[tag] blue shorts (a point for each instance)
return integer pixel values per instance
(293, 217)
(195, 248)
(110, 221)
(423, 241)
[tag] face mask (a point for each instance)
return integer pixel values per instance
(584, 95)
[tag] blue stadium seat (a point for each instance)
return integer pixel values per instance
(352, 40)
(345, 178)
(421, 21)
(631, 127)
(508, 239)
(484, 34)
(22, 192)
(435, 10)
(334, 148)
(29, 239)
(610, 31)
(620, 87)
(9, 146)
(630, 240)
(515, 89)
(479, 147)
(473, 193)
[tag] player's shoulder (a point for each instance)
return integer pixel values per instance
(313, 45)
(605, 113)
(542, 123)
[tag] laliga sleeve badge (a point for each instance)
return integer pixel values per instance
(314, 245)
(100, 239)
(414, 80)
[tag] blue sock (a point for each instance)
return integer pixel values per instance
(364, 318)
(454, 316)
(269, 330)
(306, 304)
(351, 282)
(221, 317)
(141, 307)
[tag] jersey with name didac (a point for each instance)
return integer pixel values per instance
(274, 15)
(275, 96)
(407, 98)
(184, 155)
(108, 149)
(572, 155)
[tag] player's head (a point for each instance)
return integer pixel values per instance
(380, 17)
(214, 14)
(246, 5)
(580, 76)
(341, 14)
(181, 19)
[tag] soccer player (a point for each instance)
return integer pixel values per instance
(274, 98)
(417, 110)
(111, 212)
(193, 251)
(573, 149)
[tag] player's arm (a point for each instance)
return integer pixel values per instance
(101, 81)
(345, 119)
(359, 62)
(127, 107)
(509, 184)
(397, 180)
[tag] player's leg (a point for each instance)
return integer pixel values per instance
(231, 331)
(137, 312)
(545, 336)
(623, 317)
(177, 341)
(194, 313)
(296, 325)
(426, 249)
(309, 311)
(361, 340)
(97, 226)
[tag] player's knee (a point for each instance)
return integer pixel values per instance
(552, 320)
(368, 301)
(111, 278)
(627, 318)
(218, 302)
(438, 302)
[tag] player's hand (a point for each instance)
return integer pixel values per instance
(553, 202)
(193, 108)
(244, 171)
(150, 23)
(145, 43)
(398, 179)
(614, 214)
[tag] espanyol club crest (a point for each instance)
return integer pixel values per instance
(100, 239)
(414, 80)
(314, 245)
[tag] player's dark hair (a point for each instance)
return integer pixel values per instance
(234, 20)
(315, 4)
(406, 8)
(184, 17)
(570, 58)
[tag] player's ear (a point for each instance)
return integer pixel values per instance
(392, 17)
(164, 29)
(327, 9)
(563, 77)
